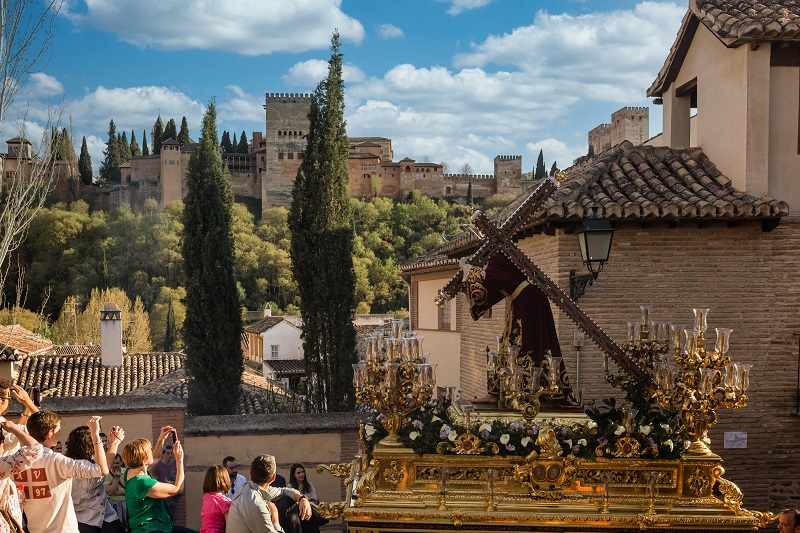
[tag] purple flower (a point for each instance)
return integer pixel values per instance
(380, 417)
(484, 434)
(514, 425)
(687, 444)
(576, 449)
(652, 442)
(602, 441)
(445, 432)
(510, 447)
(563, 431)
(417, 424)
(534, 430)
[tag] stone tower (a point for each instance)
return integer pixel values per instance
(284, 139)
(508, 173)
(171, 181)
(630, 124)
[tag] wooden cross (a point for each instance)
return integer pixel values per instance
(499, 239)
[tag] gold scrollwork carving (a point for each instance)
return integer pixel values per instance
(697, 483)
(393, 474)
(335, 469)
(732, 498)
(627, 447)
(466, 444)
(331, 511)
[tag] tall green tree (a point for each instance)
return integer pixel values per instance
(470, 199)
(183, 135)
(234, 143)
(171, 332)
(134, 146)
(243, 147)
(553, 169)
(125, 148)
(540, 172)
(158, 135)
(213, 324)
(170, 130)
(321, 224)
(145, 146)
(85, 164)
(590, 153)
(225, 143)
(109, 169)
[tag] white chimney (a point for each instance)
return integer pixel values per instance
(268, 311)
(111, 335)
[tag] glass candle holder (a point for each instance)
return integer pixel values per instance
(723, 340)
(631, 324)
(690, 341)
(743, 371)
(535, 379)
(513, 354)
(676, 336)
(555, 368)
(637, 331)
(707, 378)
(700, 318)
(646, 311)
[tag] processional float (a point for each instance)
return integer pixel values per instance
(431, 466)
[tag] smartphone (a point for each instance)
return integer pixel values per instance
(35, 396)
(174, 433)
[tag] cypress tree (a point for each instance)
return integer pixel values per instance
(234, 144)
(145, 146)
(553, 169)
(183, 135)
(158, 135)
(134, 147)
(242, 147)
(470, 200)
(321, 225)
(590, 153)
(171, 332)
(540, 170)
(85, 164)
(124, 148)
(170, 131)
(109, 169)
(225, 144)
(213, 324)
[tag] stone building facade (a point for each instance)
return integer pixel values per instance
(627, 124)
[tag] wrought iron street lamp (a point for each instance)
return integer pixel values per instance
(594, 238)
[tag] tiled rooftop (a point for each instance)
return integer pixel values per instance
(286, 367)
(734, 22)
(16, 341)
(265, 324)
(632, 183)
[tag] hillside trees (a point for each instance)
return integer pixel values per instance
(321, 224)
(109, 169)
(213, 324)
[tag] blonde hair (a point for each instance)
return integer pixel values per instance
(135, 452)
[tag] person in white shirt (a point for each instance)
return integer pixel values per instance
(48, 483)
(237, 480)
(7, 392)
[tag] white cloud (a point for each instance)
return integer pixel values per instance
(41, 85)
(459, 6)
(310, 73)
(251, 28)
(389, 31)
(241, 106)
(553, 150)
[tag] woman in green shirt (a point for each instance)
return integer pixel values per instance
(147, 509)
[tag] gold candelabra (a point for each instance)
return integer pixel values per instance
(700, 381)
(394, 376)
(520, 382)
(647, 343)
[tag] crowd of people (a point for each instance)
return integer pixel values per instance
(91, 486)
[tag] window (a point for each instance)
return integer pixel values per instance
(275, 348)
(291, 155)
(280, 155)
(444, 316)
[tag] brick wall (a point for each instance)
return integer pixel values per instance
(747, 278)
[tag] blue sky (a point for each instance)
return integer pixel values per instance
(458, 81)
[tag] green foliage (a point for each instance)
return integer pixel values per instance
(109, 169)
(553, 169)
(243, 147)
(158, 135)
(213, 324)
(170, 130)
(540, 172)
(85, 164)
(590, 153)
(145, 146)
(183, 135)
(134, 146)
(225, 143)
(470, 199)
(321, 224)
(124, 148)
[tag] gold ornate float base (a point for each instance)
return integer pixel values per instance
(397, 490)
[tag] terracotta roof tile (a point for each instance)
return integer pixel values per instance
(633, 183)
(283, 367)
(17, 342)
(265, 324)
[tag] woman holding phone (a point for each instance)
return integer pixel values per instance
(146, 497)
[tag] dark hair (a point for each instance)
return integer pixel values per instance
(79, 444)
(262, 469)
(305, 486)
(5, 384)
(121, 460)
(41, 423)
(795, 512)
(227, 460)
(217, 480)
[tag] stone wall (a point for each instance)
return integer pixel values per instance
(630, 124)
(286, 125)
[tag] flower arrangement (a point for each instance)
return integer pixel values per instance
(611, 431)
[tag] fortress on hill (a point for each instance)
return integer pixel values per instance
(266, 173)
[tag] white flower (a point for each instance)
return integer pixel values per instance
(504, 438)
(485, 427)
(413, 435)
(452, 436)
(645, 429)
(435, 418)
(591, 424)
(582, 442)
(620, 430)
(664, 426)
(369, 429)
(670, 444)
(525, 441)
(568, 442)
